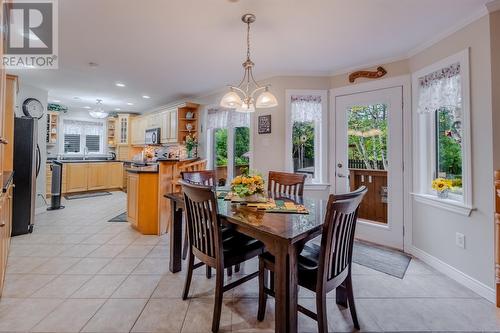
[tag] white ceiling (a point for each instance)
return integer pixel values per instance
(174, 49)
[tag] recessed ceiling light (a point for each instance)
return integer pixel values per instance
(146, 97)
(130, 103)
(117, 109)
(93, 64)
(76, 97)
(87, 107)
(119, 84)
(56, 101)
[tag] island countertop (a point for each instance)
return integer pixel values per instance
(143, 169)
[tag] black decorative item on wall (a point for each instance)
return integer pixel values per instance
(33, 108)
(265, 124)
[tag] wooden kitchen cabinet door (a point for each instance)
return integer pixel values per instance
(97, 176)
(76, 177)
(115, 175)
(133, 198)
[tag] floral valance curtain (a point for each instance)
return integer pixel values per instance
(306, 108)
(227, 118)
(82, 127)
(441, 89)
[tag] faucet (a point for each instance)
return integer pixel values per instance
(85, 152)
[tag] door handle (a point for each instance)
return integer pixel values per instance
(341, 175)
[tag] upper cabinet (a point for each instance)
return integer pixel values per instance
(123, 129)
(175, 124)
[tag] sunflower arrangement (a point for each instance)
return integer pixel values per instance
(441, 184)
(246, 185)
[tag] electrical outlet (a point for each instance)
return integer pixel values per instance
(460, 240)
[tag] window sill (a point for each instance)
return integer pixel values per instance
(316, 186)
(446, 204)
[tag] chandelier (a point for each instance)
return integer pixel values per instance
(98, 112)
(243, 96)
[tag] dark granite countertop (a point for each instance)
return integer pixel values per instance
(162, 159)
(85, 161)
(7, 178)
(143, 169)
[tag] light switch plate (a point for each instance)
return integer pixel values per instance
(460, 240)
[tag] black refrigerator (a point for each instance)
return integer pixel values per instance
(27, 161)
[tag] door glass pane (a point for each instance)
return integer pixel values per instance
(220, 160)
(449, 148)
(241, 150)
(303, 147)
(368, 163)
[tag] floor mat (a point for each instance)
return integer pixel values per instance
(119, 218)
(381, 259)
(85, 195)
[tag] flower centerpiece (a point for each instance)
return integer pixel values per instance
(442, 187)
(249, 186)
(191, 143)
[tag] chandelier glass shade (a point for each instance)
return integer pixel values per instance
(248, 95)
(98, 112)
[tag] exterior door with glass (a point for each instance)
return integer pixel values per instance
(369, 152)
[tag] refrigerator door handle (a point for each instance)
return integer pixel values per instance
(38, 160)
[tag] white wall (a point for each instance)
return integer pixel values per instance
(433, 228)
(28, 91)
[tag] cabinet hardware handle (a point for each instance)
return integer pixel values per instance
(4, 141)
(2, 225)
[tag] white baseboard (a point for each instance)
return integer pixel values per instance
(476, 286)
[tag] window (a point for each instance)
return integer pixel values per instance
(441, 129)
(79, 135)
(306, 133)
(228, 142)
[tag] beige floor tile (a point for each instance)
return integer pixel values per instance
(56, 265)
(200, 314)
(79, 250)
(69, 316)
(97, 239)
(116, 315)
(107, 251)
(135, 251)
(170, 286)
(88, 266)
(146, 240)
(152, 266)
(244, 316)
(137, 286)
(120, 266)
(162, 315)
(62, 286)
(100, 286)
(23, 315)
(24, 264)
(23, 285)
(159, 251)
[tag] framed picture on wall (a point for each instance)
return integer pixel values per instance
(265, 124)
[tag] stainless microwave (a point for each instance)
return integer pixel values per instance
(153, 136)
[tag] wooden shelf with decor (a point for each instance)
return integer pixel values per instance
(111, 124)
(187, 121)
(52, 120)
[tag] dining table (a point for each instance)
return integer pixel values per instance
(283, 234)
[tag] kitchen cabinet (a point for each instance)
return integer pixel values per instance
(123, 129)
(97, 174)
(142, 202)
(114, 175)
(5, 230)
(77, 177)
(11, 90)
(169, 126)
(139, 131)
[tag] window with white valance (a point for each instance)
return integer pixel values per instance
(306, 133)
(442, 144)
(228, 143)
(79, 135)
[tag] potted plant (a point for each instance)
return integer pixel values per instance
(249, 187)
(442, 187)
(191, 143)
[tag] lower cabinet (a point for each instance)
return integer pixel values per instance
(81, 177)
(142, 202)
(133, 199)
(5, 229)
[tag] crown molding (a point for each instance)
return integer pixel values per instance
(493, 6)
(439, 37)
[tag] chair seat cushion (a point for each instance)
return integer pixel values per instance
(238, 248)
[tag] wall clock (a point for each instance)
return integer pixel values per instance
(33, 108)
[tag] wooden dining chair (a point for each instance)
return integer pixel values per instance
(324, 268)
(208, 244)
(286, 183)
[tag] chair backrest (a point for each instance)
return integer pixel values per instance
(286, 183)
(203, 177)
(338, 236)
(203, 225)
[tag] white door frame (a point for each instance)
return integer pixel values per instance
(398, 81)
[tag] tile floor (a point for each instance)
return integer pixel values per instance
(77, 272)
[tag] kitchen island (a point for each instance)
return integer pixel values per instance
(148, 211)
